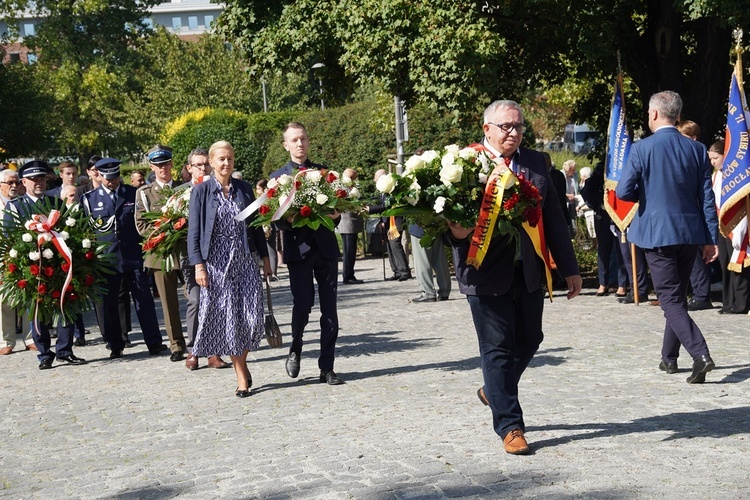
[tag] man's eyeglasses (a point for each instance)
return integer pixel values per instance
(11, 183)
(510, 127)
(200, 165)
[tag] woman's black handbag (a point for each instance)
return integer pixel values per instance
(273, 333)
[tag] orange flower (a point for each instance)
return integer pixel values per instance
(180, 223)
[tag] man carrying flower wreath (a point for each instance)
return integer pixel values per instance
(505, 292)
(309, 253)
(34, 178)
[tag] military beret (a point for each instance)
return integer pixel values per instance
(108, 167)
(159, 154)
(33, 168)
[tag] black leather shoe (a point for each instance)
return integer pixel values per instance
(292, 365)
(668, 366)
(329, 377)
(129, 344)
(482, 397)
(73, 359)
(441, 298)
(405, 277)
(392, 278)
(155, 351)
(701, 366)
(242, 393)
(176, 356)
(423, 298)
(45, 364)
(699, 305)
(115, 354)
(353, 281)
(79, 342)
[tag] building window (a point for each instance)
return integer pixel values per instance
(14, 57)
(148, 23)
(29, 29)
(176, 23)
(31, 58)
(193, 22)
(209, 21)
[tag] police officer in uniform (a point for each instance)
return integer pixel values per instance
(33, 175)
(111, 209)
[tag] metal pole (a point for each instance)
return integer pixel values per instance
(399, 134)
(322, 105)
(265, 102)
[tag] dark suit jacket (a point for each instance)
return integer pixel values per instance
(298, 242)
(116, 224)
(204, 203)
(670, 176)
(495, 276)
(54, 192)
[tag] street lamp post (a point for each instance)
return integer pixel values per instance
(320, 83)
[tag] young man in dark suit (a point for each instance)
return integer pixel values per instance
(505, 293)
(672, 223)
(310, 253)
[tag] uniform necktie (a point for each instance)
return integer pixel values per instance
(113, 195)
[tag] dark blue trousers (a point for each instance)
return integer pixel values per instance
(700, 278)
(349, 254)
(509, 330)
(43, 342)
(670, 274)
(325, 273)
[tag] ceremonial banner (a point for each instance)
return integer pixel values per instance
(618, 148)
(732, 198)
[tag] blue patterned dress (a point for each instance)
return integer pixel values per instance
(230, 316)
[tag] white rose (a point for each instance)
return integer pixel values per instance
(467, 153)
(354, 193)
(64, 235)
(439, 204)
(448, 159)
(453, 148)
(482, 178)
(13, 253)
(27, 237)
(47, 254)
(313, 176)
(70, 222)
(386, 184)
(414, 190)
(47, 237)
(321, 199)
(487, 163)
(285, 180)
(430, 155)
(86, 243)
(414, 163)
(272, 183)
(450, 174)
(346, 181)
(33, 255)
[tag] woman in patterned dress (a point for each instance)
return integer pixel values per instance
(230, 315)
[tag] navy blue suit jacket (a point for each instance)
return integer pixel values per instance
(495, 276)
(298, 242)
(204, 203)
(116, 224)
(669, 176)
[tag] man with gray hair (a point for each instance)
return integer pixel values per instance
(9, 183)
(672, 223)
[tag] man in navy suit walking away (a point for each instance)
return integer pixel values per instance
(309, 253)
(669, 175)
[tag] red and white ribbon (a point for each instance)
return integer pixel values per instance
(43, 225)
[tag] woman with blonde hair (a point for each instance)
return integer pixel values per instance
(223, 251)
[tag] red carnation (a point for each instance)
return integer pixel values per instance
(330, 177)
(511, 202)
(532, 215)
(341, 193)
(180, 223)
(34, 269)
(298, 184)
(89, 280)
(48, 271)
(72, 296)
(271, 192)
(65, 267)
(22, 283)
(56, 294)
(90, 255)
(305, 211)
(42, 289)
(12, 267)
(264, 209)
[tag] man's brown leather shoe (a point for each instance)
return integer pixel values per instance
(482, 397)
(217, 362)
(31, 347)
(191, 363)
(515, 443)
(5, 351)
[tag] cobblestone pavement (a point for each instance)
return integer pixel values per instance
(603, 421)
